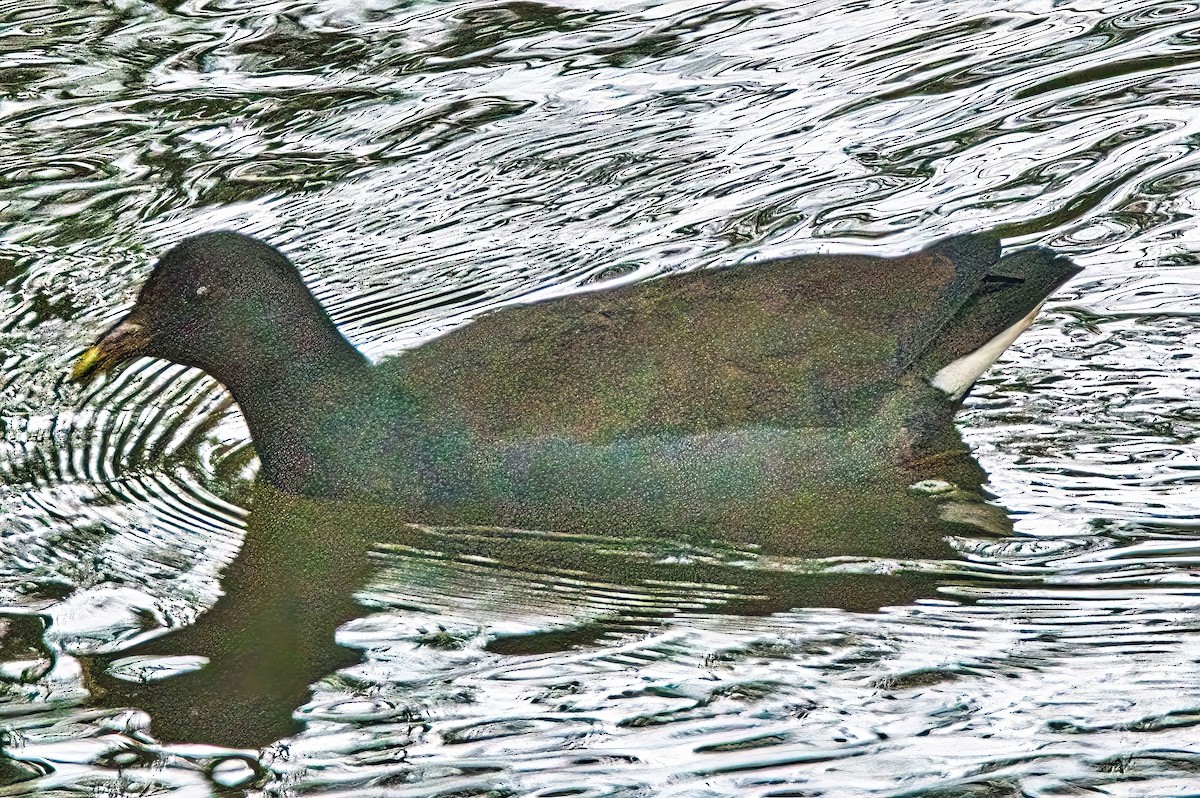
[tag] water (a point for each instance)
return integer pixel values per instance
(423, 162)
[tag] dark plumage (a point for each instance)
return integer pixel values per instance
(743, 402)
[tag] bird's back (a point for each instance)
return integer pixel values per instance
(813, 341)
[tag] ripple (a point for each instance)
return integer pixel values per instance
(426, 164)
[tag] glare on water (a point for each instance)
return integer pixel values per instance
(424, 162)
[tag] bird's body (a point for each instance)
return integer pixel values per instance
(789, 405)
(717, 402)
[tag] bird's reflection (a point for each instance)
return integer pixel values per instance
(271, 635)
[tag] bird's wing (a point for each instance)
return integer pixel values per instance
(811, 341)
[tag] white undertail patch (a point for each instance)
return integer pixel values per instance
(958, 377)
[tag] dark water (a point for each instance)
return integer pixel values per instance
(422, 162)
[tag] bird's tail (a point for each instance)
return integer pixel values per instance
(1004, 302)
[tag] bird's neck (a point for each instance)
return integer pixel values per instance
(293, 393)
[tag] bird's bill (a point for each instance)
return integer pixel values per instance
(123, 342)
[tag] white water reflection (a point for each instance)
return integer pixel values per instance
(423, 162)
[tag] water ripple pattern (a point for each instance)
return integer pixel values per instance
(424, 162)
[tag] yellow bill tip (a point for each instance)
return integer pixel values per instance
(87, 364)
(124, 341)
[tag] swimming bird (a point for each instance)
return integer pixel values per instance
(753, 403)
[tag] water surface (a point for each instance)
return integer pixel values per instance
(424, 162)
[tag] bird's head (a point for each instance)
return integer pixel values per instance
(210, 299)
